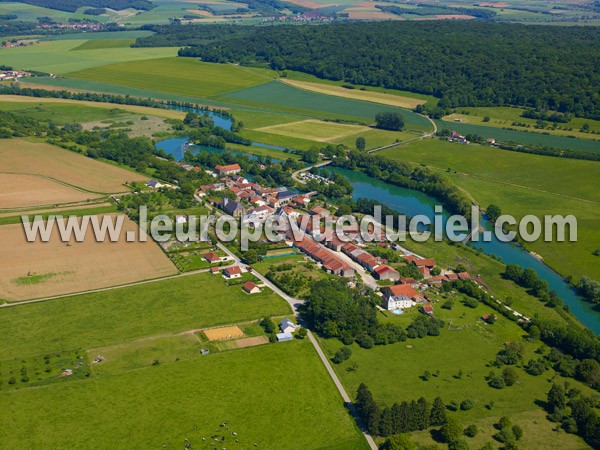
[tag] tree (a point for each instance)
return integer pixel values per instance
(342, 355)
(556, 397)
(268, 325)
(361, 143)
(510, 376)
(467, 404)
(448, 304)
(517, 432)
(367, 408)
(497, 382)
(251, 256)
(471, 431)
(301, 333)
(493, 212)
(528, 278)
(513, 272)
(437, 416)
(389, 121)
(452, 430)
(398, 442)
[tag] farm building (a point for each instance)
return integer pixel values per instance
(427, 309)
(287, 326)
(231, 169)
(386, 273)
(426, 262)
(282, 337)
(232, 208)
(232, 272)
(250, 288)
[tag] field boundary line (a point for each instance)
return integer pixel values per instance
(56, 180)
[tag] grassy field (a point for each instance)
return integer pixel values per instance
(23, 157)
(62, 111)
(289, 99)
(36, 269)
(176, 75)
(262, 400)
(522, 137)
(459, 361)
(357, 94)
(111, 317)
(56, 56)
(315, 129)
(105, 43)
(504, 116)
(524, 184)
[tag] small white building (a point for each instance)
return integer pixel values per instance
(282, 337)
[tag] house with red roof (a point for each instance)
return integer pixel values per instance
(399, 296)
(231, 169)
(232, 272)
(426, 262)
(427, 309)
(250, 288)
(212, 257)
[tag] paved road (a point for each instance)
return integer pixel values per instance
(395, 144)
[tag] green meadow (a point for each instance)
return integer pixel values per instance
(524, 184)
(458, 361)
(105, 318)
(61, 113)
(176, 75)
(289, 99)
(105, 43)
(57, 56)
(266, 395)
(523, 137)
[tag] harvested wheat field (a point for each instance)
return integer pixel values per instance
(36, 269)
(357, 94)
(221, 334)
(23, 157)
(20, 191)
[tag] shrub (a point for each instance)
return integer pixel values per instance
(467, 404)
(342, 355)
(471, 431)
(365, 341)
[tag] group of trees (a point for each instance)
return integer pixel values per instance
(528, 278)
(400, 417)
(476, 64)
(389, 121)
(590, 289)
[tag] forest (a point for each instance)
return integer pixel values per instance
(463, 64)
(74, 5)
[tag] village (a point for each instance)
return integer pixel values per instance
(308, 230)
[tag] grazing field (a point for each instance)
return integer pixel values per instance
(357, 94)
(281, 96)
(111, 317)
(524, 184)
(20, 191)
(458, 363)
(24, 157)
(35, 269)
(315, 130)
(522, 137)
(184, 76)
(164, 404)
(56, 56)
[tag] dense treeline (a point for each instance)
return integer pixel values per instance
(464, 64)
(74, 5)
(408, 176)
(400, 417)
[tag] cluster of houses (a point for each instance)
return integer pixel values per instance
(459, 138)
(86, 26)
(6, 75)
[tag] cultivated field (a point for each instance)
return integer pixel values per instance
(35, 269)
(221, 334)
(57, 56)
(315, 130)
(357, 94)
(185, 76)
(286, 98)
(24, 157)
(30, 190)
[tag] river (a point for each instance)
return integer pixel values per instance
(412, 203)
